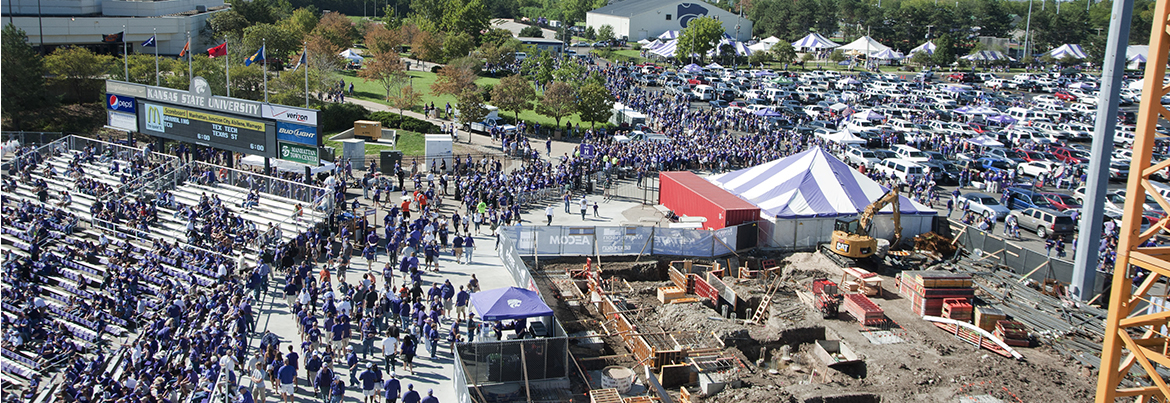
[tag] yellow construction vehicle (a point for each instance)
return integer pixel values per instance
(851, 241)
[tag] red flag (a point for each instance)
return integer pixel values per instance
(220, 50)
(185, 49)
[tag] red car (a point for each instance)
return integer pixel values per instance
(977, 127)
(1067, 155)
(1061, 202)
(1065, 96)
(1031, 156)
(961, 77)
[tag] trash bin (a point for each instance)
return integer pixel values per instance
(388, 159)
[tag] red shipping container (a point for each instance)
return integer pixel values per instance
(688, 194)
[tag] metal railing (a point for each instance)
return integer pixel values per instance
(134, 233)
(300, 192)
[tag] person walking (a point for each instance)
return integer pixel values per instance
(584, 206)
(548, 211)
(258, 382)
(390, 350)
(337, 391)
(392, 388)
(368, 380)
(468, 247)
(411, 396)
(430, 397)
(288, 382)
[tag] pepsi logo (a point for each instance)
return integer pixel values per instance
(120, 104)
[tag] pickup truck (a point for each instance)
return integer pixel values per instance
(488, 124)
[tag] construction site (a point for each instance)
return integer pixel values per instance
(933, 325)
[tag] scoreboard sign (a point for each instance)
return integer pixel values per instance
(197, 116)
(219, 130)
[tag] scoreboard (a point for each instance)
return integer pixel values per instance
(222, 131)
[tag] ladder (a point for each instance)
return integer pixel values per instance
(762, 311)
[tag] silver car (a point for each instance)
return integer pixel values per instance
(984, 205)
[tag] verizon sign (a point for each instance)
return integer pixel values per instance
(289, 114)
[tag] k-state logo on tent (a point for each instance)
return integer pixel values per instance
(120, 103)
(513, 303)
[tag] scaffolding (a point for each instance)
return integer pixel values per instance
(1135, 331)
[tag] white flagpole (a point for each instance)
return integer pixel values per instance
(190, 69)
(264, 56)
(125, 56)
(227, 68)
(155, 37)
(305, 54)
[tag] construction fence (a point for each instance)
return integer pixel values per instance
(629, 240)
(1035, 265)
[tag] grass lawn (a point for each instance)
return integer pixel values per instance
(410, 143)
(373, 91)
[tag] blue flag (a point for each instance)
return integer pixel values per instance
(259, 56)
(149, 42)
(303, 60)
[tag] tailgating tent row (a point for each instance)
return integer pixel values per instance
(670, 48)
(764, 44)
(814, 41)
(802, 195)
(888, 54)
(842, 137)
(984, 141)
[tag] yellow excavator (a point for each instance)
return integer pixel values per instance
(851, 241)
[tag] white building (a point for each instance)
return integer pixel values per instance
(646, 19)
(83, 22)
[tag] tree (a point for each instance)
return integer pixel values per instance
(531, 31)
(513, 94)
(226, 23)
(337, 30)
(458, 45)
(262, 11)
(382, 41)
(22, 79)
(558, 101)
(783, 52)
(406, 98)
(386, 69)
(470, 104)
(142, 67)
(279, 42)
(595, 104)
(79, 69)
(837, 56)
(921, 58)
(495, 36)
(427, 46)
(699, 37)
(457, 75)
(301, 22)
(570, 73)
(944, 51)
(605, 34)
(590, 33)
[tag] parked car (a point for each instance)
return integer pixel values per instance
(1062, 202)
(984, 205)
(1045, 222)
(860, 156)
(1021, 198)
(1035, 168)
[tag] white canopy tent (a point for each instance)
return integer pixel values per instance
(888, 54)
(842, 137)
(984, 141)
(863, 45)
(352, 54)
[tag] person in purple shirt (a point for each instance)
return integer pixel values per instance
(288, 382)
(430, 397)
(368, 379)
(411, 396)
(461, 300)
(392, 388)
(337, 391)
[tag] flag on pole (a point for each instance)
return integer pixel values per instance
(303, 60)
(220, 50)
(259, 56)
(149, 42)
(186, 48)
(113, 38)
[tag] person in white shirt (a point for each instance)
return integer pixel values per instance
(344, 306)
(548, 211)
(390, 351)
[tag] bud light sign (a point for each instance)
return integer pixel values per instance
(294, 133)
(120, 103)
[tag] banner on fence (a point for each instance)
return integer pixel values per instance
(626, 240)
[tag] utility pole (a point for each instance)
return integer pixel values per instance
(1027, 30)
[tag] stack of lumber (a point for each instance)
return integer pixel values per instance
(986, 317)
(959, 309)
(926, 290)
(1012, 333)
(865, 311)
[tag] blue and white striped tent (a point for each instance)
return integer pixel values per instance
(927, 47)
(1068, 51)
(668, 35)
(987, 55)
(814, 41)
(805, 193)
